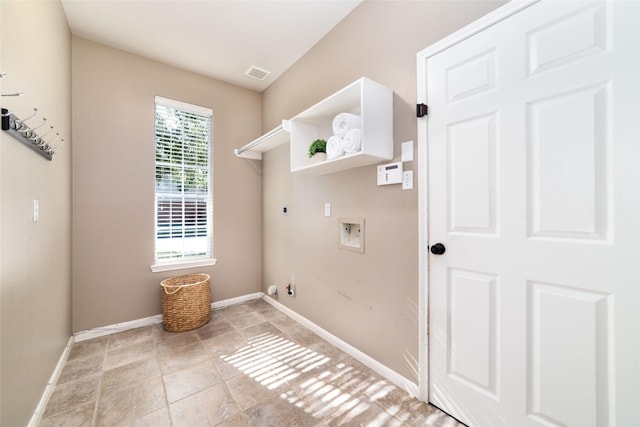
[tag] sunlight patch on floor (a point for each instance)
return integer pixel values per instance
(329, 395)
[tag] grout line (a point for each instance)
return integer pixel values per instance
(99, 394)
(164, 386)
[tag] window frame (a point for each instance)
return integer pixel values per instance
(207, 259)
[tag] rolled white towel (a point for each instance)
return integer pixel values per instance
(344, 122)
(334, 147)
(352, 141)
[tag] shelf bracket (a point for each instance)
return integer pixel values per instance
(268, 141)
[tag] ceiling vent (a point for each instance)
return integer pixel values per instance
(257, 73)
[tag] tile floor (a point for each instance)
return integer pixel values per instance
(251, 365)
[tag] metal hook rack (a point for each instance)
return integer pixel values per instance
(27, 134)
(12, 124)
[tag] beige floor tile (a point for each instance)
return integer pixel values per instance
(396, 401)
(251, 365)
(170, 340)
(208, 408)
(181, 357)
(434, 417)
(88, 348)
(253, 362)
(307, 364)
(321, 398)
(159, 418)
(362, 412)
(80, 368)
(126, 376)
(237, 421)
(324, 347)
(130, 404)
(249, 392)
(258, 305)
(224, 345)
(72, 394)
(191, 380)
(125, 355)
(302, 335)
(352, 376)
(283, 322)
(279, 412)
(261, 330)
(130, 337)
(215, 327)
(77, 417)
(244, 320)
(234, 310)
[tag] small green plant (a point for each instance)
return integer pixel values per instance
(317, 146)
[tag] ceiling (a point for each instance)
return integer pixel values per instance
(221, 39)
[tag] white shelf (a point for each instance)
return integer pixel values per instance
(266, 142)
(364, 97)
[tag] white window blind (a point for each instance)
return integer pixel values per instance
(183, 193)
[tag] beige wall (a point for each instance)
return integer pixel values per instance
(369, 300)
(35, 257)
(113, 184)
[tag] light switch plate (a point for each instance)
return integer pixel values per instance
(407, 180)
(36, 210)
(327, 209)
(407, 151)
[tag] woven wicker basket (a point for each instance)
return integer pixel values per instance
(186, 302)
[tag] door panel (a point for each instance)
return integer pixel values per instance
(533, 141)
(569, 129)
(472, 329)
(568, 352)
(471, 146)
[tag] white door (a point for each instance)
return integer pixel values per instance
(534, 190)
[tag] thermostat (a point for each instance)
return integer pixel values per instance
(390, 173)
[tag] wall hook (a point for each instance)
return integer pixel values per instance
(18, 93)
(50, 130)
(59, 145)
(21, 132)
(44, 120)
(21, 124)
(53, 140)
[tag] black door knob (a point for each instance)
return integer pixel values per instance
(438, 249)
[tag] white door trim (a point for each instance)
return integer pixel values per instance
(475, 27)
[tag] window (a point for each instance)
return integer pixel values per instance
(183, 193)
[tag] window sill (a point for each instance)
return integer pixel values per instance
(179, 266)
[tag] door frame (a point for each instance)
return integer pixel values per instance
(464, 33)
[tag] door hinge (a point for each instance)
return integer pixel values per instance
(421, 110)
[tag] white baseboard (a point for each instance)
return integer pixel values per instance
(152, 320)
(388, 373)
(118, 327)
(237, 300)
(42, 405)
(383, 370)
